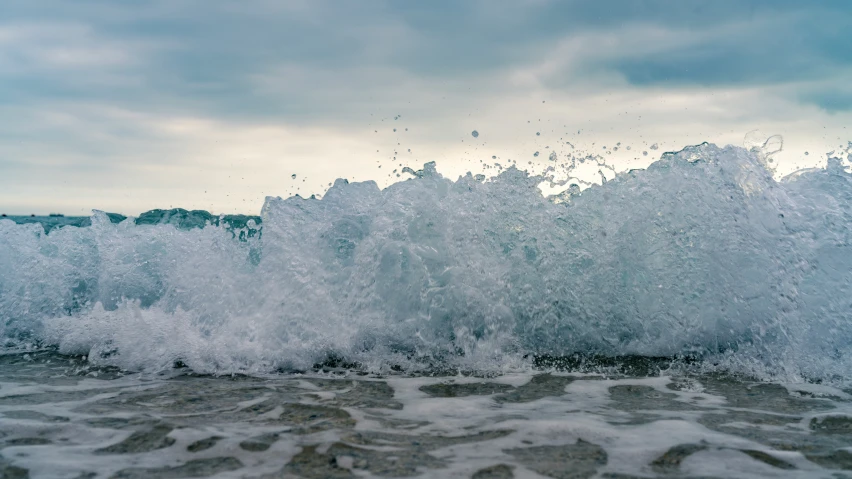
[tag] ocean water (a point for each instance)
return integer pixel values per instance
(63, 417)
(687, 320)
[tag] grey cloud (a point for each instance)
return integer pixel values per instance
(209, 55)
(774, 51)
(832, 99)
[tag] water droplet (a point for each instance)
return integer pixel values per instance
(493, 157)
(644, 153)
(774, 144)
(394, 129)
(535, 154)
(806, 153)
(538, 133)
(474, 134)
(293, 176)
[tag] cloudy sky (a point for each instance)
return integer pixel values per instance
(215, 104)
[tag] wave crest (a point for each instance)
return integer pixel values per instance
(703, 253)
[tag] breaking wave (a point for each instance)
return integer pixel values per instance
(703, 254)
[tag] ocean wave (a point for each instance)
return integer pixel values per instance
(702, 254)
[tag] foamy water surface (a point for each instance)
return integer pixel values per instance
(62, 418)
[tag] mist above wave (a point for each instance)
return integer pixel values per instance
(703, 253)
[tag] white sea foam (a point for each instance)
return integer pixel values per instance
(703, 253)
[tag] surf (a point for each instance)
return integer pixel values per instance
(703, 255)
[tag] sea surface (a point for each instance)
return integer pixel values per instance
(64, 418)
(691, 319)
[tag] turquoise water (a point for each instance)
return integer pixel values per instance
(178, 217)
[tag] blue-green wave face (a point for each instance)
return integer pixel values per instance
(703, 253)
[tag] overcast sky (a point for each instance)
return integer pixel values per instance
(133, 105)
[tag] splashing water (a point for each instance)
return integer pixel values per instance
(703, 253)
